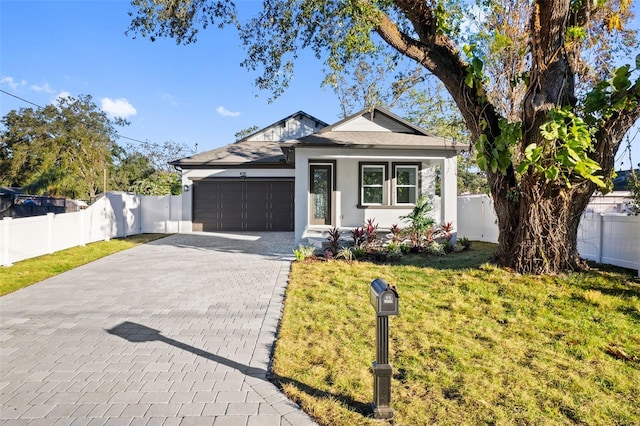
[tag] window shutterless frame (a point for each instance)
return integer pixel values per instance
(406, 183)
(372, 184)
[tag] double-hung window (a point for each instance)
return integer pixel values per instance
(381, 185)
(406, 183)
(372, 179)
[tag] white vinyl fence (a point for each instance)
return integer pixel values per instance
(612, 238)
(604, 238)
(161, 215)
(116, 215)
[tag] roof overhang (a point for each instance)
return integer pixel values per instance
(430, 147)
(248, 165)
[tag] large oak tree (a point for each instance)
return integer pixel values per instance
(61, 149)
(533, 80)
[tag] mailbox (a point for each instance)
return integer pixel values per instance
(384, 298)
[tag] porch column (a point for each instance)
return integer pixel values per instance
(301, 186)
(449, 193)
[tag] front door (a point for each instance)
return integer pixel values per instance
(321, 182)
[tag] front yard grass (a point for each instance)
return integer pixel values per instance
(31, 271)
(474, 344)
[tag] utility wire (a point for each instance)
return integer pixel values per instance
(116, 134)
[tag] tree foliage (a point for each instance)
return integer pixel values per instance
(144, 168)
(241, 134)
(64, 149)
(129, 168)
(537, 83)
(60, 149)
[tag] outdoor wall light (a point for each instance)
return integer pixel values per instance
(185, 188)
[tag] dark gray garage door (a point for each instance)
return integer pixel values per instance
(243, 205)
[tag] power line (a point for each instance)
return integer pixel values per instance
(116, 134)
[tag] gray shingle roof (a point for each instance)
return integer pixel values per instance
(246, 153)
(236, 154)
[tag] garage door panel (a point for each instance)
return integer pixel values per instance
(282, 201)
(243, 205)
(257, 206)
(230, 202)
(204, 203)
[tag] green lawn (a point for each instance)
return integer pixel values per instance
(31, 271)
(474, 344)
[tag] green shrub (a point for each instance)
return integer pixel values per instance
(345, 253)
(303, 252)
(358, 252)
(464, 242)
(436, 248)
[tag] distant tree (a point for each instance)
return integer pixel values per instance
(246, 132)
(383, 81)
(128, 169)
(160, 155)
(158, 183)
(144, 168)
(61, 149)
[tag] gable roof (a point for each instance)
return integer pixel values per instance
(267, 147)
(259, 149)
(376, 128)
(263, 154)
(379, 118)
(257, 135)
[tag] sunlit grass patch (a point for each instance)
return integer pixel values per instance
(473, 343)
(31, 271)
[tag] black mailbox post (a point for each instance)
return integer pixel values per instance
(384, 300)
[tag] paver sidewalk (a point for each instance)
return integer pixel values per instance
(176, 332)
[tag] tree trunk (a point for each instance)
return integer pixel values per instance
(545, 220)
(537, 220)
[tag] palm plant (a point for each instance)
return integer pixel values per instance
(419, 219)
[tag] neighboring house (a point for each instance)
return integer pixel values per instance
(15, 204)
(299, 174)
(623, 179)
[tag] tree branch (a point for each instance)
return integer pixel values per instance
(438, 54)
(612, 130)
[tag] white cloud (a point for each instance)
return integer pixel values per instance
(45, 88)
(118, 107)
(170, 98)
(225, 112)
(13, 85)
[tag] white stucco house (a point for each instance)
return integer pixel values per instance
(301, 174)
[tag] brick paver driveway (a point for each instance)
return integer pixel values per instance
(175, 332)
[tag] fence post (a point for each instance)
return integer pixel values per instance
(50, 219)
(6, 226)
(125, 216)
(139, 215)
(107, 203)
(83, 228)
(600, 237)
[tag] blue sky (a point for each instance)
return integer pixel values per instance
(187, 94)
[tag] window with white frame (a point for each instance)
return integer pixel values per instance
(406, 183)
(372, 180)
